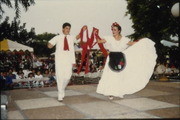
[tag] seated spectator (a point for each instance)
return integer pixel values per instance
(30, 76)
(2, 81)
(26, 72)
(46, 73)
(174, 70)
(20, 75)
(9, 82)
(39, 76)
(52, 79)
(33, 71)
(168, 70)
(45, 66)
(14, 72)
(51, 65)
(38, 63)
(13, 76)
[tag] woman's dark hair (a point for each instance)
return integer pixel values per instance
(115, 24)
(119, 28)
(66, 24)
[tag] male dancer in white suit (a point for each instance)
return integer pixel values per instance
(64, 58)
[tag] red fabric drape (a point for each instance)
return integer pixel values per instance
(86, 51)
(84, 46)
(101, 46)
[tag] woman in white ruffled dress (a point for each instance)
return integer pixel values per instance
(140, 62)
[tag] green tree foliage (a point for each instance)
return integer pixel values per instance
(15, 31)
(174, 53)
(15, 4)
(45, 36)
(40, 44)
(153, 19)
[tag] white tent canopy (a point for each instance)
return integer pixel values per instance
(11, 45)
(168, 43)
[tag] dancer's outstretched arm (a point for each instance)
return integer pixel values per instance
(77, 37)
(101, 41)
(131, 43)
(83, 28)
(49, 45)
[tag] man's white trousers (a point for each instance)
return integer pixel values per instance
(63, 73)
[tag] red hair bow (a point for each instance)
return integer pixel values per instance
(115, 24)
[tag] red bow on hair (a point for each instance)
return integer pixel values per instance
(115, 24)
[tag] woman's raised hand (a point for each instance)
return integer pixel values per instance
(95, 32)
(84, 27)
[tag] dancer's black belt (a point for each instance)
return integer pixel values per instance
(117, 61)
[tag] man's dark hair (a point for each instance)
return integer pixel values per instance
(66, 24)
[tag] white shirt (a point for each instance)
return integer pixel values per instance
(26, 72)
(59, 42)
(114, 45)
(38, 63)
(38, 76)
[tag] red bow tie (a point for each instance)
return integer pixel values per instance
(66, 46)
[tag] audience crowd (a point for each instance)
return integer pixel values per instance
(26, 66)
(166, 69)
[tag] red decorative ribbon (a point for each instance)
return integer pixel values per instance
(84, 48)
(86, 51)
(101, 46)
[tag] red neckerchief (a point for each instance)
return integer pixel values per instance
(66, 46)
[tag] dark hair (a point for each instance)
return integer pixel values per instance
(119, 28)
(115, 24)
(66, 24)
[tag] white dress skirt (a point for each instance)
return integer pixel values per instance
(140, 63)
